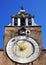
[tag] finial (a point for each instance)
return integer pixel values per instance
(21, 7)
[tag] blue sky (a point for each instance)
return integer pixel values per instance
(10, 7)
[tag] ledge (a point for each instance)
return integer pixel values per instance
(1, 49)
(44, 50)
(22, 26)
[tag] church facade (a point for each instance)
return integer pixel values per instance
(23, 31)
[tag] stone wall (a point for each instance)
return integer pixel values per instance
(41, 60)
(11, 32)
(2, 57)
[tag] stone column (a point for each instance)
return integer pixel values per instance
(26, 21)
(19, 23)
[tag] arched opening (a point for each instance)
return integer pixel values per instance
(29, 22)
(23, 22)
(15, 21)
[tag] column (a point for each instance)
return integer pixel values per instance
(12, 21)
(26, 21)
(18, 20)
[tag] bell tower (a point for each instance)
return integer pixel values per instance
(23, 29)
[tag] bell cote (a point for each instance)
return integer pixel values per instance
(22, 18)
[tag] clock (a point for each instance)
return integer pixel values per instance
(23, 49)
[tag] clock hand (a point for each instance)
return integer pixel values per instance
(22, 47)
(18, 45)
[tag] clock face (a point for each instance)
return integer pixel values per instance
(22, 49)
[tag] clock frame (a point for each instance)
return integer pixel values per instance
(31, 58)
